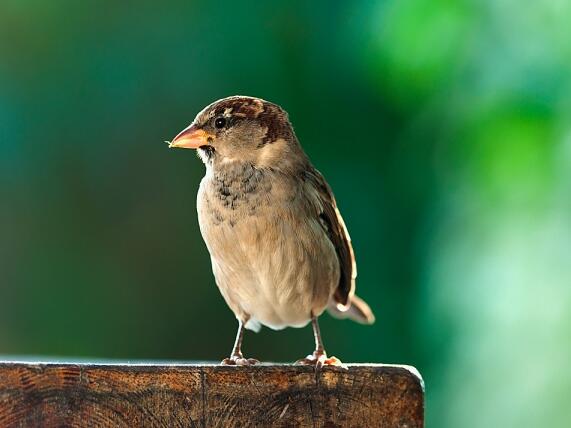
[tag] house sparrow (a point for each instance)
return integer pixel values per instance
(279, 248)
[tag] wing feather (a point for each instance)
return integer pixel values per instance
(336, 230)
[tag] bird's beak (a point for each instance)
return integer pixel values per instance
(191, 138)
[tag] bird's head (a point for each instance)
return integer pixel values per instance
(242, 129)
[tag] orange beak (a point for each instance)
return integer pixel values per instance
(191, 138)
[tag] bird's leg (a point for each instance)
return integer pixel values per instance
(236, 357)
(319, 356)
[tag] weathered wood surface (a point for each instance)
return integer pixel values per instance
(121, 395)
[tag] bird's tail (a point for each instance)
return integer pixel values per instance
(358, 311)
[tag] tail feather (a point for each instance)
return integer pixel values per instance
(358, 311)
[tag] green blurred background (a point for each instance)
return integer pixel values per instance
(442, 126)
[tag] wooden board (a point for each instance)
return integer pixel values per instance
(207, 395)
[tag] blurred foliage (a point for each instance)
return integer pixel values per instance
(442, 126)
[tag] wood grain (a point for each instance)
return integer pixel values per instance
(121, 395)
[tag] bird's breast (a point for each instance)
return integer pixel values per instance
(269, 256)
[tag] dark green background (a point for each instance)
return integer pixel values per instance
(442, 126)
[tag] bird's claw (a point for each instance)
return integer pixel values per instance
(238, 360)
(318, 360)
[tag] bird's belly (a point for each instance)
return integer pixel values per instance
(276, 270)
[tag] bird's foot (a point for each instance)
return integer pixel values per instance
(318, 360)
(239, 360)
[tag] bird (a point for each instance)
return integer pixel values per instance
(280, 251)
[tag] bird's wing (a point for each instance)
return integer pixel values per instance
(334, 226)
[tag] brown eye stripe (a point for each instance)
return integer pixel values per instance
(277, 124)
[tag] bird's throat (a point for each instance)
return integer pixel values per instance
(206, 153)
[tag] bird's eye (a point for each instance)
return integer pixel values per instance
(220, 122)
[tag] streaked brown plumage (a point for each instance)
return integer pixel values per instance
(280, 251)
